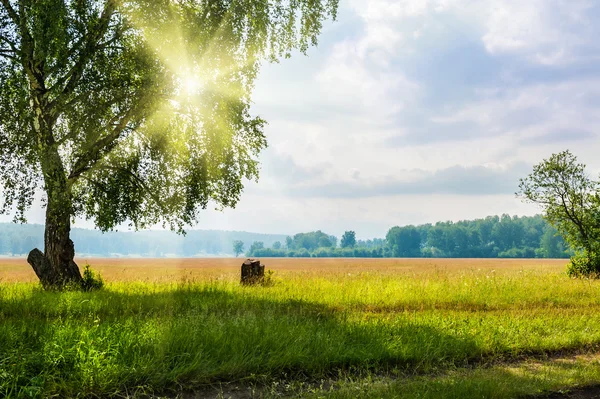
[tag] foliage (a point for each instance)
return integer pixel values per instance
(405, 242)
(571, 204)
(584, 265)
(238, 247)
(256, 245)
(311, 241)
(92, 280)
(323, 252)
(269, 279)
(348, 239)
(492, 237)
(371, 243)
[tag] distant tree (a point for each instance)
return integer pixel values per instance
(404, 241)
(289, 243)
(348, 239)
(551, 244)
(134, 112)
(571, 204)
(325, 242)
(333, 240)
(256, 245)
(310, 241)
(277, 245)
(238, 247)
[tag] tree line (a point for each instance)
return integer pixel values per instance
(492, 237)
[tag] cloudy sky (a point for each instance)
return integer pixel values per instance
(414, 111)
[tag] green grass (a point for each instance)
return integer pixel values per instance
(161, 338)
(524, 379)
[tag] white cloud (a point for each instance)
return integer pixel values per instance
(536, 119)
(545, 31)
(352, 82)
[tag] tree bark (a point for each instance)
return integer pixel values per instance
(56, 268)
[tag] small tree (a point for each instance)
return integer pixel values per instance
(238, 247)
(277, 245)
(570, 201)
(348, 239)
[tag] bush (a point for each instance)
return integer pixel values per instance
(269, 280)
(584, 265)
(92, 280)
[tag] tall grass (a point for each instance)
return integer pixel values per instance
(161, 337)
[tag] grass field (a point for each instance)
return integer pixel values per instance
(325, 328)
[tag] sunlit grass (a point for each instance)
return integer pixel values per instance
(503, 381)
(311, 324)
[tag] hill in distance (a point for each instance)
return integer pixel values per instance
(19, 239)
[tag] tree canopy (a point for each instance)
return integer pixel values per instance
(348, 239)
(238, 247)
(145, 104)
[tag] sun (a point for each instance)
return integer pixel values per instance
(190, 85)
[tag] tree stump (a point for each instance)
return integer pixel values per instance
(253, 272)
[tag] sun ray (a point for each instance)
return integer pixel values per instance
(196, 73)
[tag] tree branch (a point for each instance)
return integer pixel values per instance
(142, 184)
(572, 215)
(72, 77)
(11, 11)
(8, 54)
(92, 155)
(11, 44)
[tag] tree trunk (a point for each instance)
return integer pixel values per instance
(55, 268)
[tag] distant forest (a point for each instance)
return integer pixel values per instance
(19, 239)
(493, 237)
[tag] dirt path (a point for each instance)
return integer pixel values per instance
(591, 392)
(275, 389)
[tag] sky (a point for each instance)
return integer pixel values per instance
(417, 111)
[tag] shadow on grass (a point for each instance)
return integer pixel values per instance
(108, 342)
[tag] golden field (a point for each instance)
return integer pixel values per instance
(170, 269)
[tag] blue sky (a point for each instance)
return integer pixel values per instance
(414, 111)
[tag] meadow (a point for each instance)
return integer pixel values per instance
(339, 328)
